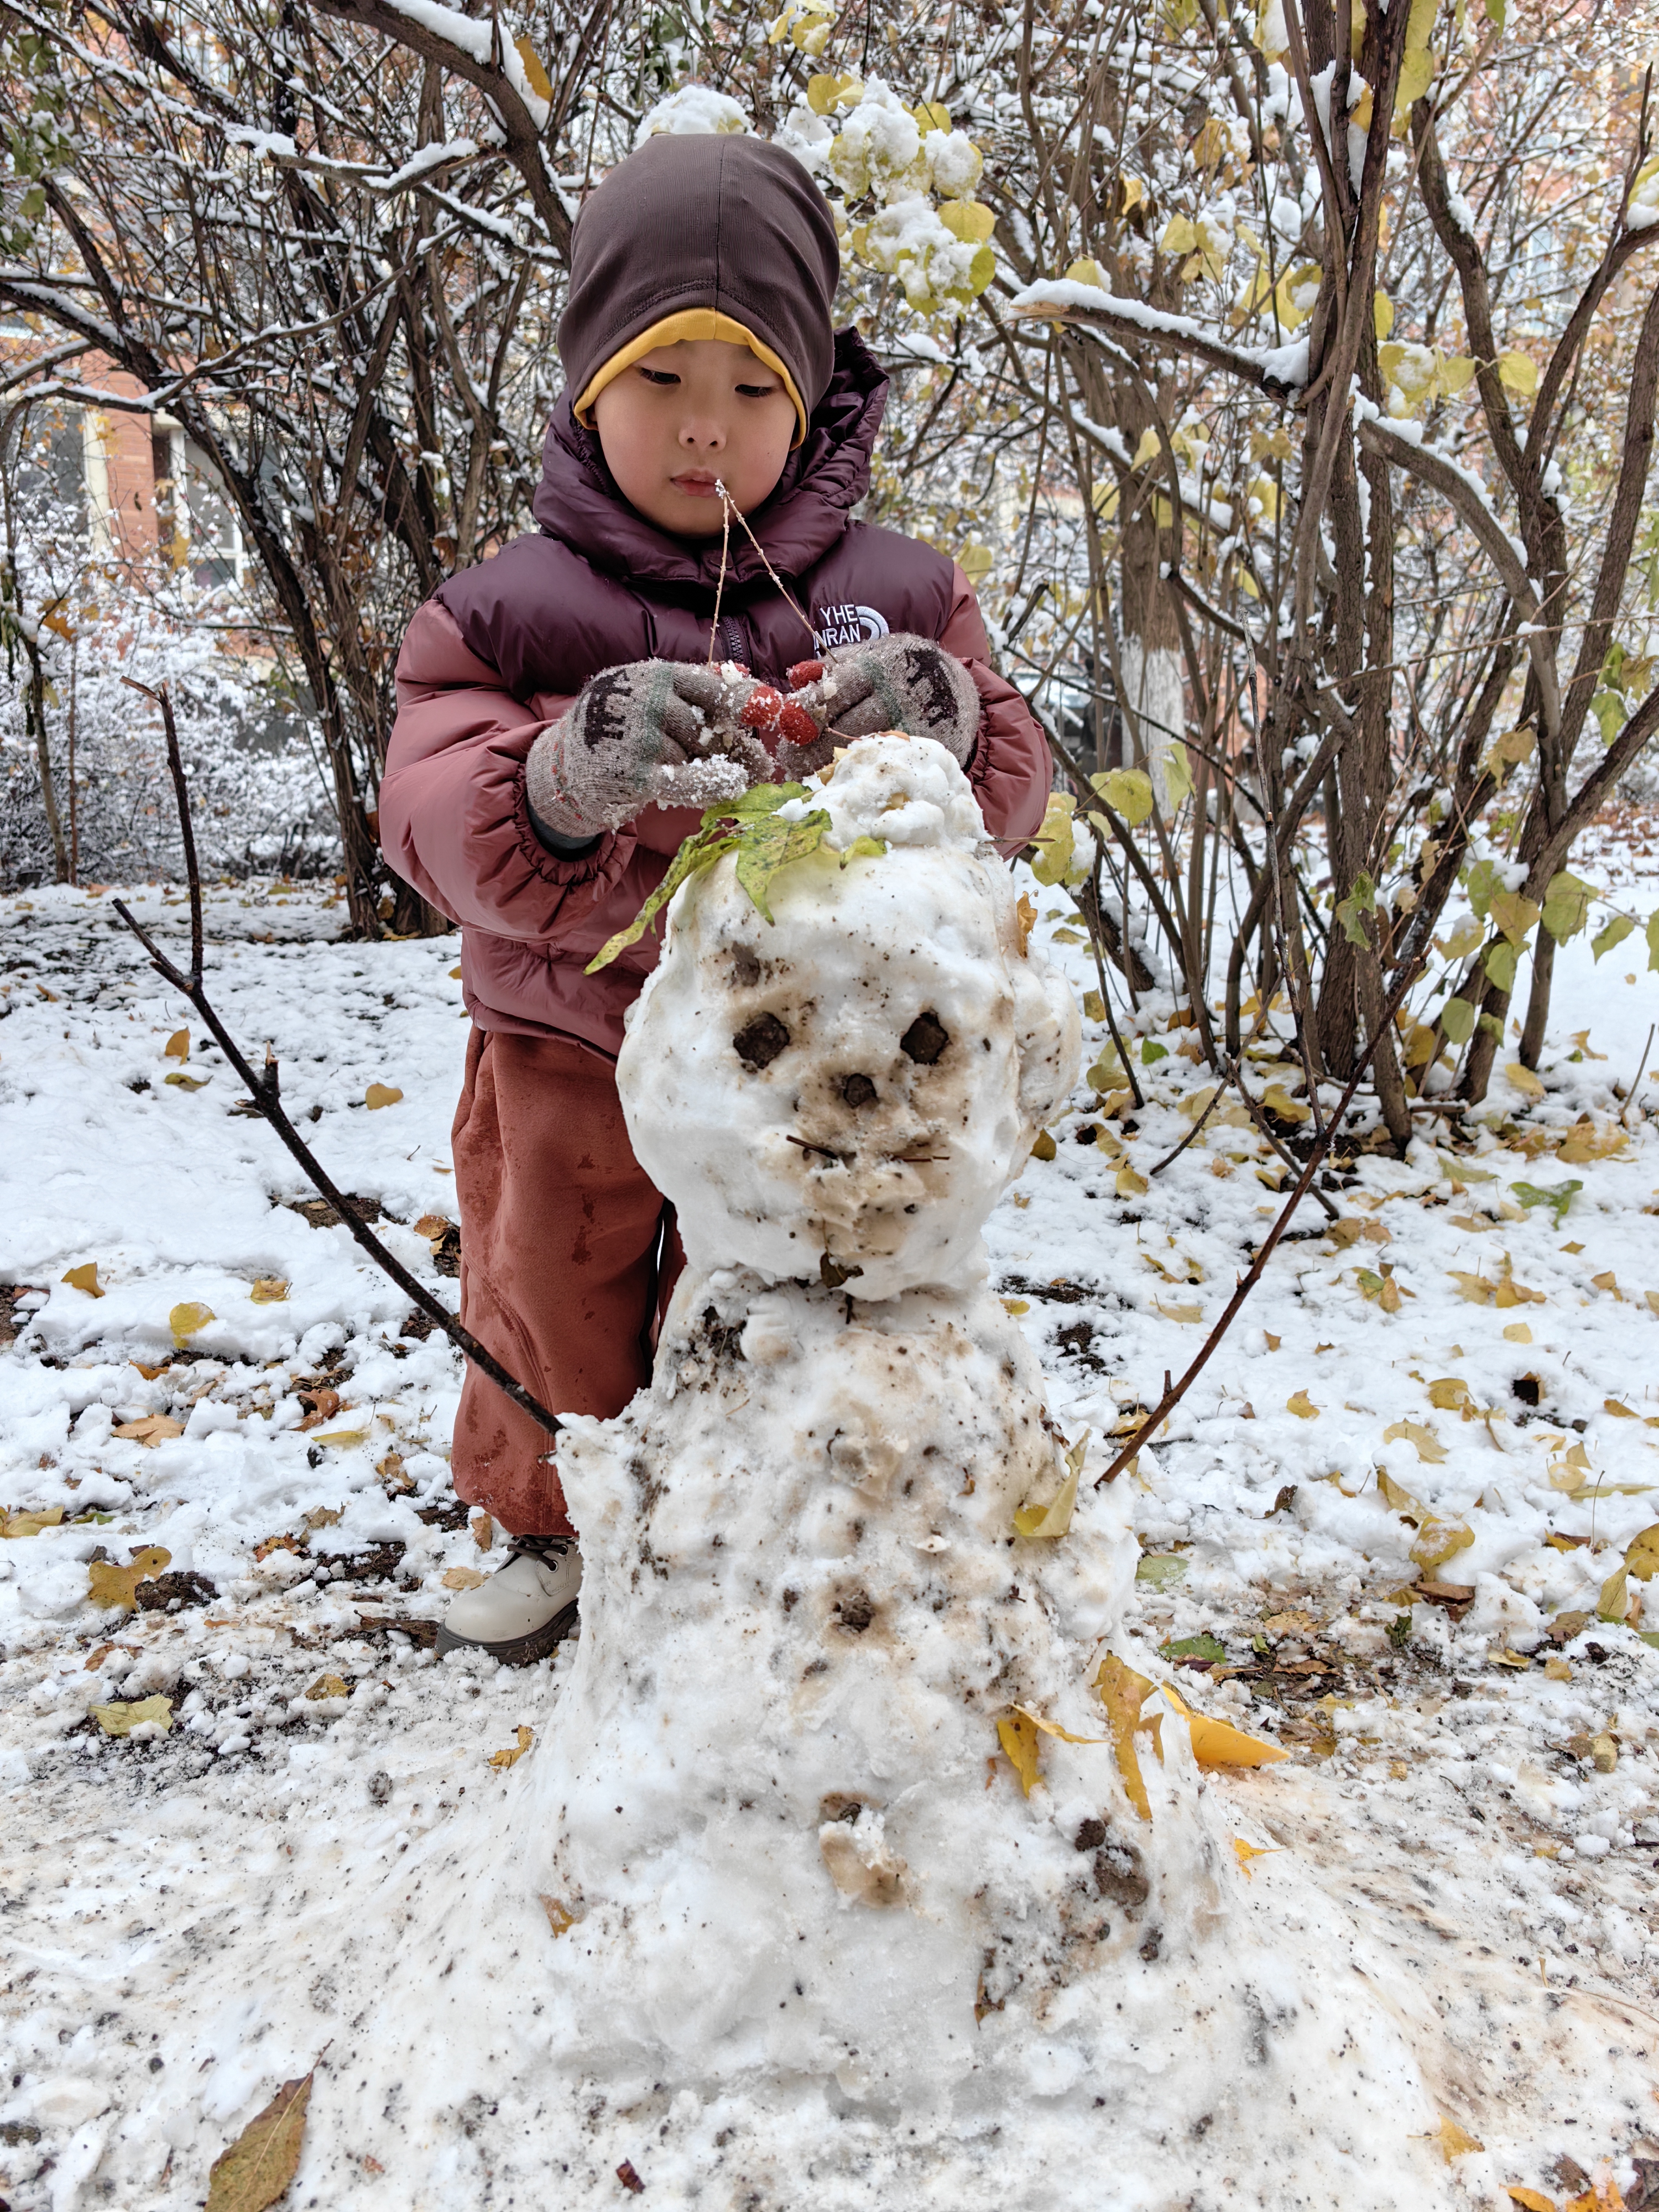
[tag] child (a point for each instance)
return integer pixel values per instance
(557, 700)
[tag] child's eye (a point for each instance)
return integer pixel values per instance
(755, 390)
(660, 376)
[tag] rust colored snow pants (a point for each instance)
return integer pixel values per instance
(568, 1257)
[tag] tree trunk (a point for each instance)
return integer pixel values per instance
(35, 715)
(1538, 1002)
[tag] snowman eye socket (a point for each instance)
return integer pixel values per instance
(925, 1039)
(758, 1043)
(857, 1091)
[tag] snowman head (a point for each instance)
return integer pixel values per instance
(842, 1094)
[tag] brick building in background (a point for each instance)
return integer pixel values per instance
(146, 491)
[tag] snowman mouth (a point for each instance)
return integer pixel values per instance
(846, 1159)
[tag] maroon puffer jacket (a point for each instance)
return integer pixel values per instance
(502, 648)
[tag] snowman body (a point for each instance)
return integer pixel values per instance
(831, 1823)
(781, 1792)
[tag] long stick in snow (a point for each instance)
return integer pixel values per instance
(263, 1089)
(1174, 1391)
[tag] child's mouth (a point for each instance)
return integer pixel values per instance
(695, 486)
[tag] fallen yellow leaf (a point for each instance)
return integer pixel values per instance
(152, 1430)
(1053, 1727)
(559, 1920)
(177, 1046)
(122, 1719)
(1017, 1306)
(341, 1436)
(1623, 1413)
(1455, 2142)
(1245, 1852)
(1534, 2200)
(1437, 1536)
(381, 1093)
(463, 1578)
(1518, 1333)
(1450, 1393)
(1278, 1100)
(1187, 1314)
(1129, 1184)
(1123, 1692)
(1216, 1743)
(259, 2165)
(29, 1524)
(269, 1291)
(1641, 1554)
(1017, 1734)
(189, 1319)
(1025, 918)
(1052, 1520)
(327, 1687)
(1429, 1446)
(180, 1081)
(515, 1751)
(110, 1585)
(85, 1278)
(1524, 1081)
(1302, 1406)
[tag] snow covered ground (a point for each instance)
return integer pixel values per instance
(198, 1913)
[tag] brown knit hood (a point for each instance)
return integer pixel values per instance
(729, 225)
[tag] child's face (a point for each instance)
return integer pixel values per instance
(686, 414)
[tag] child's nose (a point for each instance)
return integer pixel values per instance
(702, 434)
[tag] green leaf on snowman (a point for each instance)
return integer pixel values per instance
(763, 848)
(744, 826)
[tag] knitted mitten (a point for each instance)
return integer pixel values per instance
(659, 733)
(896, 683)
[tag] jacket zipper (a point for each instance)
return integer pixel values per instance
(734, 645)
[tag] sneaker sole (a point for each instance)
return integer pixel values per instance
(518, 1651)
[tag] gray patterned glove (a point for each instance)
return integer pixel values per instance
(661, 732)
(901, 682)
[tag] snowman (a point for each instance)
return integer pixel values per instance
(852, 1813)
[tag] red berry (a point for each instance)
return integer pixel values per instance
(805, 671)
(760, 709)
(798, 726)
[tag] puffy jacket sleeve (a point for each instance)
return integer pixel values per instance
(454, 818)
(1011, 770)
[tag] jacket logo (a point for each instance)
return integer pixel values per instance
(846, 625)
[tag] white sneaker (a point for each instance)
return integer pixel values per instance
(524, 1610)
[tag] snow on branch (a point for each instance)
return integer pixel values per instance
(1279, 371)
